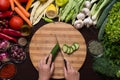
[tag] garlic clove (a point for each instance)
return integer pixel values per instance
(81, 16)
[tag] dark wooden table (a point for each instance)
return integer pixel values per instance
(26, 71)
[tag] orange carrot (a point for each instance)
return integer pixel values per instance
(12, 4)
(19, 12)
(22, 8)
(29, 4)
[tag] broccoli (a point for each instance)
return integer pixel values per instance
(106, 67)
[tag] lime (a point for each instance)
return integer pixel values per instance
(61, 2)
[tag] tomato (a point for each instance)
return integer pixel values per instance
(23, 1)
(16, 22)
(4, 5)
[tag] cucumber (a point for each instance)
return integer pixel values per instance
(70, 49)
(105, 14)
(76, 45)
(102, 30)
(54, 51)
(65, 48)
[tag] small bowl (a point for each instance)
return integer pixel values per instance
(5, 70)
(17, 53)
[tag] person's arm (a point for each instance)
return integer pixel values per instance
(45, 69)
(70, 73)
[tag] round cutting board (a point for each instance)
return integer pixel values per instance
(44, 40)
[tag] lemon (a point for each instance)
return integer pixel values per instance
(51, 11)
(61, 2)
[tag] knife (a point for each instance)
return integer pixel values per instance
(64, 59)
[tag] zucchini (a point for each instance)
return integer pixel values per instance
(102, 30)
(54, 51)
(104, 14)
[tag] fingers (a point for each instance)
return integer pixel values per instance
(52, 67)
(50, 59)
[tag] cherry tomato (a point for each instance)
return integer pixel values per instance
(23, 1)
(16, 22)
(4, 5)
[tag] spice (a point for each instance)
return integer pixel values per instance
(7, 71)
(4, 57)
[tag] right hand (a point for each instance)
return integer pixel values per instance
(70, 73)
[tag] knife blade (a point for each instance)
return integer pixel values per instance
(64, 59)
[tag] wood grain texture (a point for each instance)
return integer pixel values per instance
(44, 40)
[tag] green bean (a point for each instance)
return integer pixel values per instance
(47, 19)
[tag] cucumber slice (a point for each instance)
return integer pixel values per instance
(73, 47)
(68, 50)
(71, 50)
(65, 48)
(76, 45)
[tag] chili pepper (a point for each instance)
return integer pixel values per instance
(47, 19)
(11, 32)
(6, 14)
(6, 37)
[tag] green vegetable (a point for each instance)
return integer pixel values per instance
(112, 28)
(96, 10)
(54, 51)
(105, 14)
(105, 67)
(70, 49)
(102, 30)
(47, 19)
(61, 2)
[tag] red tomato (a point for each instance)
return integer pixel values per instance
(16, 22)
(4, 5)
(23, 1)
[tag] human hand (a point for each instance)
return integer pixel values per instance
(45, 69)
(70, 73)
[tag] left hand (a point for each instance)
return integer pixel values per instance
(46, 69)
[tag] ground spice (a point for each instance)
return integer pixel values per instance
(7, 71)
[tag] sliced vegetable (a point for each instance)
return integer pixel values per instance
(70, 49)
(54, 51)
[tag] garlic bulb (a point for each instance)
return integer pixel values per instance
(87, 4)
(88, 22)
(81, 16)
(86, 11)
(78, 24)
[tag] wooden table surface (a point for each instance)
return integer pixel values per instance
(26, 70)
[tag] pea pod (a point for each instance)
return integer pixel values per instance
(47, 19)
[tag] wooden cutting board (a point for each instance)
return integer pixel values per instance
(44, 40)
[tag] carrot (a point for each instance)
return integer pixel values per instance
(12, 4)
(22, 8)
(29, 4)
(19, 12)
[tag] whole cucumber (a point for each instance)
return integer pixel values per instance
(54, 51)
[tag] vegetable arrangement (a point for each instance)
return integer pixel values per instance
(109, 35)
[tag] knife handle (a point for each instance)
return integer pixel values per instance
(65, 63)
